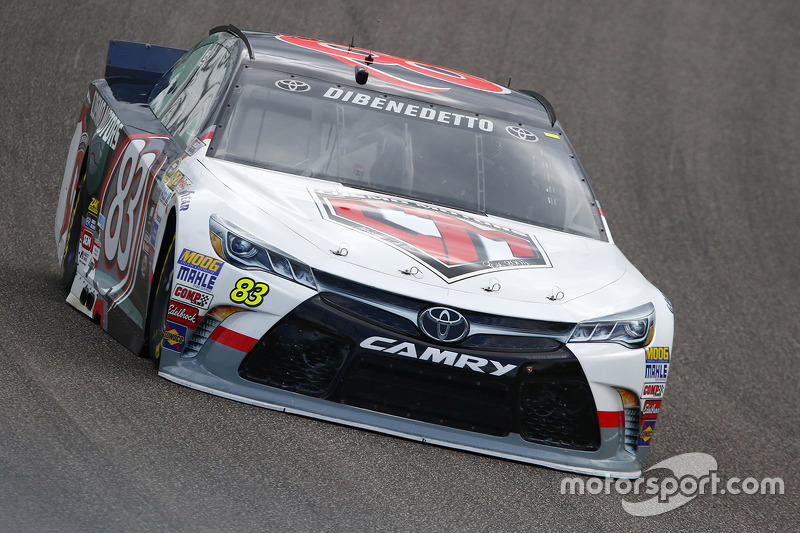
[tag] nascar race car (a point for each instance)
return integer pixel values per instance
(356, 237)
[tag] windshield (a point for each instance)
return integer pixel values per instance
(406, 147)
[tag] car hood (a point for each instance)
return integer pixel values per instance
(436, 246)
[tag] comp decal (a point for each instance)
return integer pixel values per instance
(198, 270)
(653, 390)
(122, 207)
(396, 70)
(452, 244)
(192, 297)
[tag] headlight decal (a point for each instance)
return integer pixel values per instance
(633, 328)
(247, 252)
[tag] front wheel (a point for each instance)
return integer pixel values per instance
(157, 321)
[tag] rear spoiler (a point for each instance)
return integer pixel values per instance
(139, 61)
(133, 69)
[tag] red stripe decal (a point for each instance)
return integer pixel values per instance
(208, 136)
(611, 419)
(230, 338)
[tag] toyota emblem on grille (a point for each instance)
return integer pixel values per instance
(294, 86)
(443, 324)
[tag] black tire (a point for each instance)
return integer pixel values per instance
(157, 320)
(69, 264)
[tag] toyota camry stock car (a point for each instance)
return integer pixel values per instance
(349, 235)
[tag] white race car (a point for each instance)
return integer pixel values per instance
(344, 234)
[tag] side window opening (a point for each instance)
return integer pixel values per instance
(186, 96)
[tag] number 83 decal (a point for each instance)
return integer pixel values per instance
(248, 292)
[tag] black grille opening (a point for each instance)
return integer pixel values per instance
(298, 357)
(559, 412)
(370, 313)
(446, 396)
(632, 428)
(323, 349)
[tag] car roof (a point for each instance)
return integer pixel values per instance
(397, 76)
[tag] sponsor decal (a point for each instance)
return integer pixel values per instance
(87, 239)
(650, 409)
(435, 355)
(194, 147)
(192, 297)
(248, 292)
(94, 205)
(183, 314)
(149, 250)
(145, 266)
(198, 270)
(166, 195)
(84, 256)
(656, 363)
(646, 436)
(653, 390)
(101, 221)
(106, 122)
(185, 182)
(398, 107)
(90, 223)
(657, 354)
(656, 371)
(174, 337)
(396, 70)
(185, 197)
(454, 245)
(153, 233)
(125, 192)
(172, 176)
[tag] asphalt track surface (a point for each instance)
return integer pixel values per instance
(686, 116)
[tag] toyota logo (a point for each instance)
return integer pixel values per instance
(294, 86)
(443, 324)
(522, 134)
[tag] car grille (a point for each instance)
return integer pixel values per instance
(315, 350)
(297, 356)
(632, 415)
(429, 393)
(200, 335)
(559, 413)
